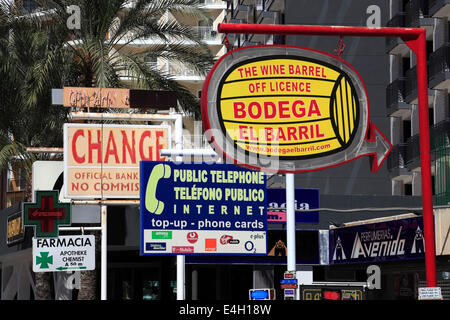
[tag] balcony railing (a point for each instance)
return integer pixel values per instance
(436, 131)
(435, 8)
(431, 3)
(207, 33)
(411, 82)
(181, 71)
(412, 149)
(210, 2)
(397, 157)
(395, 92)
(397, 21)
(415, 10)
(439, 61)
(439, 130)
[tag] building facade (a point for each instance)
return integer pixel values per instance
(387, 67)
(401, 98)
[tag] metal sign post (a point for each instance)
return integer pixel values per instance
(104, 253)
(181, 265)
(415, 39)
(103, 203)
(290, 222)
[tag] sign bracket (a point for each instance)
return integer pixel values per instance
(415, 38)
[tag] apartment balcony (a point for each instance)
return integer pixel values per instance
(232, 38)
(439, 8)
(268, 17)
(213, 4)
(249, 43)
(274, 5)
(411, 87)
(206, 34)
(259, 5)
(396, 105)
(439, 68)
(413, 146)
(412, 155)
(411, 84)
(242, 12)
(175, 71)
(265, 17)
(209, 35)
(417, 16)
(396, 45)
(438, 131)
(242, 40)
(396, 162)
(181, 73)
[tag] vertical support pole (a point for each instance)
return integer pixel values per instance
(419, 49)
(194, 284)
(104, 253)
(180, 258)
(290, 222)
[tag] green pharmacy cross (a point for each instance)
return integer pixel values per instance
(47, 214)
(44, 260)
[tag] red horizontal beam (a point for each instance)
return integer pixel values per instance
(404, 33)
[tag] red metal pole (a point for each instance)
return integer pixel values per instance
(415, 38)
(425, 162)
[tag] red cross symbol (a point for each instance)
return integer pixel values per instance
(46, 214)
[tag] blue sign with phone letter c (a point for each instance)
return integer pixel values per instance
(200, 208)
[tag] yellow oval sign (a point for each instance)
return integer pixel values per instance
(285, 103)
(288, 107)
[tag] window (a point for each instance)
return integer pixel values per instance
(406, 65)
(408, 189)
(29, 5)
(431, 116)
(406, 130)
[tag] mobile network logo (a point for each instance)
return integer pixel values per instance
(379, 243)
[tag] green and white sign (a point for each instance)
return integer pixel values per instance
(64, 253)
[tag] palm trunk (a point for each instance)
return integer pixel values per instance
(88, 279)
(43, 285)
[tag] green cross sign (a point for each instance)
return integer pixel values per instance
(47, 214)
(44, 260)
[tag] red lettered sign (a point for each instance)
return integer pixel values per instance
(103, 160)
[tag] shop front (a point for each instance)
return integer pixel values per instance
(396, 246)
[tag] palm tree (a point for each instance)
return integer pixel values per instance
(41, 53)
(101, 47)
(25, 99)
